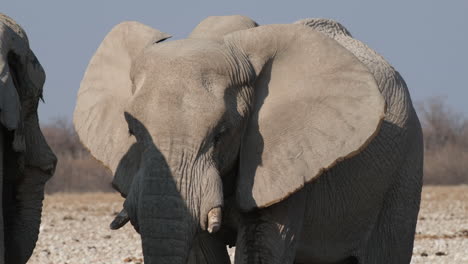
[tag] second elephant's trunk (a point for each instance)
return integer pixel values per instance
(24, 177)
(23, 213)
(170, 202)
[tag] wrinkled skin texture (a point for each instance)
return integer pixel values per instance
(388, 171)
(26, 162)
(245, 119)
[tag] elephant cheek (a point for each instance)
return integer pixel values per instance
(23, 216)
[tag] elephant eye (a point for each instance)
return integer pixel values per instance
(217, 137)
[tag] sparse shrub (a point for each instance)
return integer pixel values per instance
(445, 143)
(77, 170)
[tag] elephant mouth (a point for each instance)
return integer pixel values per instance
(214, 219)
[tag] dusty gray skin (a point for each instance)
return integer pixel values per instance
(245, 118)
(392, 165)
(26, 161)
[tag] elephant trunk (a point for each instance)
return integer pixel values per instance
(25, 176)
(24, 215)
(165, 223)
(168, 205)
(159, 213)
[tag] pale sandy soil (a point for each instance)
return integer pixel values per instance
(442, 231)
(75, 229)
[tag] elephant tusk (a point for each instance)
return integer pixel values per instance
(214, 219)
(120, 220)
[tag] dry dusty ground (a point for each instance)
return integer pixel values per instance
(75, 229)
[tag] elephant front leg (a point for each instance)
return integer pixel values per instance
(271, 235)
(208, 249)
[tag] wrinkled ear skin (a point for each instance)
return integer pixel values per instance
(314, 105)
(27, 161)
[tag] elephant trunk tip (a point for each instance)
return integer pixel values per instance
(120, 220)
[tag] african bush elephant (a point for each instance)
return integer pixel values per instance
(26, 161)
(257, 113)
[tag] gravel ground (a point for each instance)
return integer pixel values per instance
(442, 230)
(75, 229)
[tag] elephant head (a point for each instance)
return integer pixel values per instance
(26, 161)
(256, 112)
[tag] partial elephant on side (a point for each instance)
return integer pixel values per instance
(315, 143)
(26, 161)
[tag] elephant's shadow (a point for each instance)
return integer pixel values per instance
(205, 248)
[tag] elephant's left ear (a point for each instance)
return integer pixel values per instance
(315, 104)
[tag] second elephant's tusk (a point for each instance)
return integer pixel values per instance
(120, 220)
(214, 220)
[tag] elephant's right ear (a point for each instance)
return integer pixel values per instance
(104, 92)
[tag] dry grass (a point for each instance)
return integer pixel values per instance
(75, 229)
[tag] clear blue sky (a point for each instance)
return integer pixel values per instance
(426, 41)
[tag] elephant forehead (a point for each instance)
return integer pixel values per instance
(181, 76)
(186, 91)
(179, 110)
(183, 59)
(179, 87)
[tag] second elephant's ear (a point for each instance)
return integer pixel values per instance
(104, 92)
(315, 104)
(10, 104)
